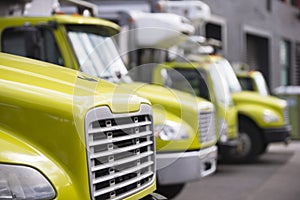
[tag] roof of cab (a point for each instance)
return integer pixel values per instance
(60, 19)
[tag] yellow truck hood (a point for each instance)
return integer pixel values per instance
(177, 102)
(184, 106)
(64, 86)
(42, 118)
(254, 98)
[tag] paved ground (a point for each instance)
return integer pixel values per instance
(276, 176)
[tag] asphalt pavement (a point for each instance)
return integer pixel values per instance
(275, 176)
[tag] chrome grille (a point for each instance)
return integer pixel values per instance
(207, 126)
(121, 152)
(286, 115)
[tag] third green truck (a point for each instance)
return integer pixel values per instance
(261, 119)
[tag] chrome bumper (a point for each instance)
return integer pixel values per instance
(175, 168)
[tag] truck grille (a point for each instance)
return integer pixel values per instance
(121, 152)
(286, 115)
(207, 126)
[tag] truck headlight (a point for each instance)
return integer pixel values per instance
(24, 183)
(170, 131)
(223, 130)
(269, 116)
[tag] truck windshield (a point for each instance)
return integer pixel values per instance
(247, 83)
(199, 83)
(225, 69)
(188, 80)
(96, 51)
(220, 85)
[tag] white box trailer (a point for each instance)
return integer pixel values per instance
(194, 10)
(157, 30)
(13, 7)
(149, 36)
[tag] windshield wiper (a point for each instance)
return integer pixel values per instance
(107, 77)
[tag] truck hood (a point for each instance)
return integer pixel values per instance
(171, 98)
(255, 98)
(68, 87)
(183, 105)
(44, 106)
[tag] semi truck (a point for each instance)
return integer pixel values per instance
(250, 80)
(65, 135)
(267, 116)
(262, 119)
(183, 124)
(143, 56)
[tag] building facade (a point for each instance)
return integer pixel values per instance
(262, 33)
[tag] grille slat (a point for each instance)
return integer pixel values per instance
(124, 184)
(127, 137)
(121, 152)
(123, 172)
(119, 127)
(206, 126)
(122, 161)
(286, 117)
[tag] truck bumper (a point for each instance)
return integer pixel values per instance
(181, 167)
(154, 196)
(277, 134)
(228, 145)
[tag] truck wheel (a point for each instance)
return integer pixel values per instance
(169, 191)
(250, 143)
(264, 148)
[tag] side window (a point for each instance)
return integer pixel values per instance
(51, 52)
(203, 88)
(31, 42)
(246, 83)
(187, 80)
(176, 80)
(13, 42)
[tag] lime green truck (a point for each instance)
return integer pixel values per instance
(183, 124)
(204, 81)
(252, 80)
(261, 119)
(62, 136)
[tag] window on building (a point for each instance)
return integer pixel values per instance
(257, 54)
(269, 5)
(295, 3)
(285, 62)
(213, 31)
(297, 56)
(31, 42)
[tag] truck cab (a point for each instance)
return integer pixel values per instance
(66, 135)
(205, 81)
(250, 80)
(266, 115)
(86, 44)
(142, 52)
(253, 81)
(262, 119)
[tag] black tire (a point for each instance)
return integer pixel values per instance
(250, 143)
(169, 191)
(264, 148)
